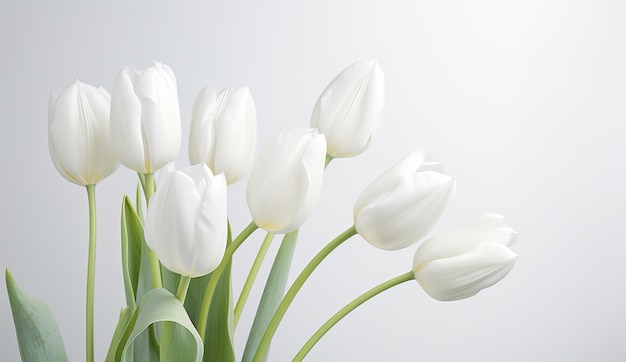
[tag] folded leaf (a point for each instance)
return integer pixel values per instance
(37, 332)
(159, 305)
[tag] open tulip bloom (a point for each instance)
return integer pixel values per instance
(177, 245)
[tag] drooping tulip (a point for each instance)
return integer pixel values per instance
(403, 204)
(145, 118)
(223, 131)
(286, 180)
(186, 222)
(78, 134)
(458, 264)
(350, 109)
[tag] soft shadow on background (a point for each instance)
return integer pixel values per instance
(523, 103)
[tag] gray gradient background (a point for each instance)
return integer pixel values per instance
(522, 101)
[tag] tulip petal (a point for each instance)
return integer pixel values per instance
(78, 134)
(490, 228)
(465, 275)
(285, 182)
(350, 109)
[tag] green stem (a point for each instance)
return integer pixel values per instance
(254, 271)
(293, 290)
(349, 308)
(155, 265)
(91, 270)
(215, 276)
(183, 285)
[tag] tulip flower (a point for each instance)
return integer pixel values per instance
(78, 134)
(402, 205)
(286, 180)
(145, 118)
(223, 131)
(458, 264)
(186, 222)
(350, 109)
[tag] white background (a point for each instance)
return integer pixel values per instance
(523, 102)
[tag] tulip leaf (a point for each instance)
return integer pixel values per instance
(132, 239)
(181, 343)
(219, 344)
(170, 280)
(272, 294)
(125, 317)
(37, 332)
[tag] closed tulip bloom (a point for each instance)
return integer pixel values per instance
(286, 180)
(78, 134)
(349, 111)
(145, 118)
(402, 205)
(458, 264)
(223, 131)
(186, 221)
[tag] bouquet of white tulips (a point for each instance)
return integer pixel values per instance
(177, 244)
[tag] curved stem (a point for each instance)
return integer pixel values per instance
(293, 290)
(91, 271)
(254, 271)
(215, 276)
(155, 265)
(349, 308)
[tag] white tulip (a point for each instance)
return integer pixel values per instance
(186, 222)
(402, 205)
(223, 131)
(458, 264)
(286, 180)
(78, 134)
(145, 118)
(349, 111)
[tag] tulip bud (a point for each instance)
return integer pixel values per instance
(78, 134)
(286, 180)
(350, 109)
(402, 205)
(186, 222)
(458, 264)
(145, 119)
(223, 131)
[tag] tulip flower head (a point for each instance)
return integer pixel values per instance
(78, 134)
(286, 180)
(223, 131)
(458, 264)
(402, 205)
(186, 222)
(145, 118)
(349, 111)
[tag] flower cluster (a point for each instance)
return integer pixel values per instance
(185, 233)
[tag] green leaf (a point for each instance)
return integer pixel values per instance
(159, 305)
(219, 344)
(132, 240)
(125, 316)
(37, 332)
(272, 294)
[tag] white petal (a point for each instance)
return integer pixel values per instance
(465, 275)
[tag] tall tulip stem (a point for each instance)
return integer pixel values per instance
(295, 287)
(256, 265)
(155, 265)
(217, 273)
(349, 308)
(91, 270)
